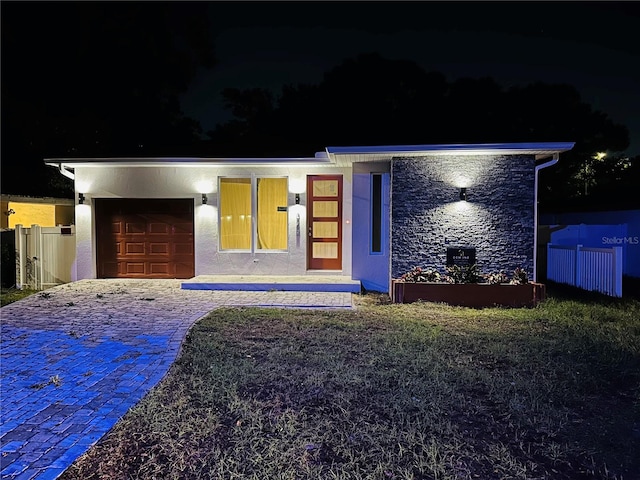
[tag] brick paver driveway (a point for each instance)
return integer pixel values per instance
(75, 358)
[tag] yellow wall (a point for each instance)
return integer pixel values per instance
(65, 214)
(28, 214)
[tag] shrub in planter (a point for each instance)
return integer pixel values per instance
(463, 274)
(417, 274)
(463, 287)
(519, 277)
(496, 278)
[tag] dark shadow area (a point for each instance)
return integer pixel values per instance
(630, 291)
(631, 287)
(8, 263)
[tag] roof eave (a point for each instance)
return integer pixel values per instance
(481, 148)
(182, 161)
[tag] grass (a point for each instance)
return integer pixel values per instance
(421, 391)
(10, 295)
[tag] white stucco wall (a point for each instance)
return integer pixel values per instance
(372, 269)
(192, 182)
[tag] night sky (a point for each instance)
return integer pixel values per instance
(591, 45)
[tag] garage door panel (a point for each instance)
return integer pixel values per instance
(135, 228)
(183, 249)
(109, 251)
(157, 228)
(159, 248)
(136, 248)
(133, 268)
(182, 270)
(159, 268)
(183, 229)
(145, 238)
(110, 269)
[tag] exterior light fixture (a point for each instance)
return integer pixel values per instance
(81, 198)
(463, 194)
(204, 199)
(297, 199)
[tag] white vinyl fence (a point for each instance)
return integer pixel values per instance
(44, 256)
(593, 269)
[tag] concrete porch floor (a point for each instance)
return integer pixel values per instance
(291, 283)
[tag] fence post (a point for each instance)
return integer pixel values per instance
(41, 257)
(578, 279)
(36, 241)
(20, 253)
(617, 271)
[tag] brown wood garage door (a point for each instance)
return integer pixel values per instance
(144, 238)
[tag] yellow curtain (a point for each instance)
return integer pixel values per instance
(272, 224)
(235, 213)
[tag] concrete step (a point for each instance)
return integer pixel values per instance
(290, 283)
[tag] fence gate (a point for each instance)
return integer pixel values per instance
(593, 269)
(44, 256)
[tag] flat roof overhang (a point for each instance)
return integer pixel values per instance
(366, 153)
(181, 161)
(338, 156)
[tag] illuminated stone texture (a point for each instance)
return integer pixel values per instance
(428, 215)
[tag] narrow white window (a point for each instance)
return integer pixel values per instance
(376, 214)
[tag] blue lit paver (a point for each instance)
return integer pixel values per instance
(75, 358)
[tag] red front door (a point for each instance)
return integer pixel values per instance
(324, 215)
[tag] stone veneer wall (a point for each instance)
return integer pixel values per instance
(497, 218)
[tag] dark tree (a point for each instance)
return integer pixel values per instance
(95, 79)
(370, 100)
(362, 99)
(474, 112)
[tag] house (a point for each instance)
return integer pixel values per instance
(368, 213)
(43, 211)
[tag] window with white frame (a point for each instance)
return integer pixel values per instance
(253, 213)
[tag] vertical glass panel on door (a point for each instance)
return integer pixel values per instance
(325, 229)
(325, 250)
(325, 209)
(325, 188)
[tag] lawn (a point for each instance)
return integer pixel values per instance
(421, 391)
(10, 295)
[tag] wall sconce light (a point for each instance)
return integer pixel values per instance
(297, 199)
(81, 198)
(11, 211)
(204, 199)
(463, 194)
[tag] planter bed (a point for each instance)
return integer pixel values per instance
(475, 295)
